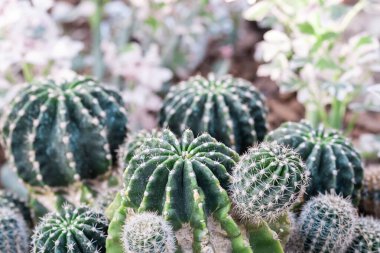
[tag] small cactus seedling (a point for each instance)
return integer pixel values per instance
(72, 230)
(327, 224)
(184, 181)
(148, 232)
(370, 197)
(367, 236)
(14, 233)
(57, 133)
(229, 109)
(13, 202)
(333, 163)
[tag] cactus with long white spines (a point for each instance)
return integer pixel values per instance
(148, 233)
(57, 133)
(334, 164)
(17, 204)
(367, 236)
(370, 195)
(72, 230)
(327, 224)
(14, 233)
(183, 180)
(230, 109)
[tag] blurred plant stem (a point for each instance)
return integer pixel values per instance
(97, 56)
(27, 72)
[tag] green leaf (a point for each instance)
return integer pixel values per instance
(306, 28)
(325, 63)
(152, 22)
(257, 12)
(325, 37)
(364, 40)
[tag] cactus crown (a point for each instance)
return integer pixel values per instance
(58, 133)
(367, 236)
(71, 230)
(14, 233)
(327, 224)
(267, 182)
(333, 163)
(229, 109)
(148, 232)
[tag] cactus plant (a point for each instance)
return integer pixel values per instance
(370, 197)
(14, 233)
(79, 230)
(104, 199)
(367, 236)
(57, 133)
(148, 232)
(333, 163)
(185, 181)
(229, 109)
(327, 224)
(13, 202)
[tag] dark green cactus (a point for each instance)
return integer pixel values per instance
(370, 197)
(14, 233)
(333, 163)
(57, 133)
(367, 236)
(12, 201)
(185, 181)
(229, 109)
(72, 230)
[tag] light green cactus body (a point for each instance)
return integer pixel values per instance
(334, 164)
(72, 230)
(14, 233)
(184, 181)
(327, 224)
(367, 236)
(57, 133)
(13, 202)
(230, 109)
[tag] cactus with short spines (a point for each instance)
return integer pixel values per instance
(367, 236)
(14, 233)
(104, 199)
(13, 202)
(334, 165)
(370, 196)
(230, 109)
(148, 233)
(72, 230)
(57, 133)
(184, 181)
(327, 224)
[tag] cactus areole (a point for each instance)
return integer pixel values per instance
(57, 133)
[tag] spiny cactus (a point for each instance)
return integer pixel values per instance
(104, 199)
(267, 181)
(370, 197)
(327, 224)
(148, 233)
(185, 181)
(229, 109)
(72, 230)
(333, 163)
(14, 233)
(367, 236)
(57, 133)
(15, 203)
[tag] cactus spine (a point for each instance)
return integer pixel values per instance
(229, 109)
(333, 163)
(370, 197)
(57, 133)
(367, 236)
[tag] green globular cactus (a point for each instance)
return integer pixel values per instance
(148, 233)
(15, 203)
(334, 164)
(370, 196)
(230, 109)
(327, 224)
(367, 236)
(72, 230)
(184, 181)
(14, 233)
(57, 133)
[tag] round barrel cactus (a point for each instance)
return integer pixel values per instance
(230, 109)
(14, 233)
(79, 230)
(333, 163)
(15, 203)
(148, 232)
(370, 197)
(57, 133)
(184, 181)
(327, 224)
(367, 236)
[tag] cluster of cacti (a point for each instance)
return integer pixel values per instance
(14, 233)
(13, 202)
(148, 232)
(333, 163)
(57, 133)
(370, 197)
(367, 236)
(72, 230)
(229, 109)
